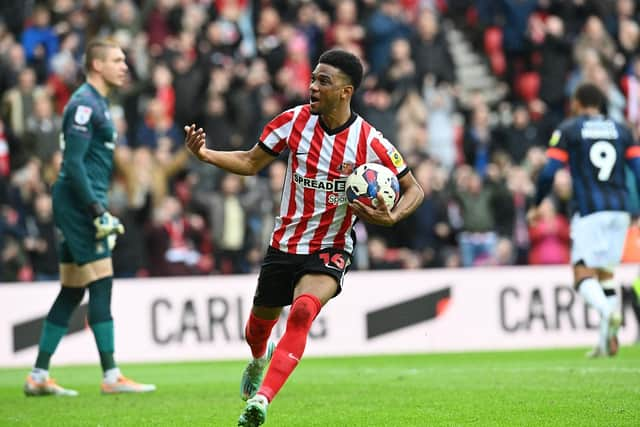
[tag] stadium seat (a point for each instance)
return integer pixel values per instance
(498, 63)
(493, 40)
(528, 85)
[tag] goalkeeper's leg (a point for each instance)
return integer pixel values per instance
(101, 323)
(55, 326)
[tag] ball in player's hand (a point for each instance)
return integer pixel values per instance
(368, 180)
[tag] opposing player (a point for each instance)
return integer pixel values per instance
(88, 231)
(311, 244)
(596, 149)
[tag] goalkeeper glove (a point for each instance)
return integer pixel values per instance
(107, 224)
(111, 241)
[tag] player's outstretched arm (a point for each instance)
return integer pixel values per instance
(238, 162)
(412, 196)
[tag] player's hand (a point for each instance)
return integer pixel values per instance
(380, 215)
(107, 224)
(195, 141)
(111, 241)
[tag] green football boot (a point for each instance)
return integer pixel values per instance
(252, 375)
(255, 413)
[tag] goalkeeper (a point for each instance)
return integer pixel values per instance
(88, 231)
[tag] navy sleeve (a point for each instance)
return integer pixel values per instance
(545, 179)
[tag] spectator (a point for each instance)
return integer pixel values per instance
(176, 243)
(440, 123)
(229, 222)
(345, 32)
(549, 237)
(40, 42)
(429, 222)
(430, 50)
(313, 23)
(17, 103)
(42, 133)
(477, 239)
(555, 64)
(518, 138)
(157, 124)
(40, 239)
(383, 27)
(478, 141)
(399, 76)
(594, 36)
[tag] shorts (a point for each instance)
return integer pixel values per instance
(281, 272)
(598, 238)
(77, 242)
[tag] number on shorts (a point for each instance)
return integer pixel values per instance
(603, 156)
(336, 259)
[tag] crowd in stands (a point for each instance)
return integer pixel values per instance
(232, 65)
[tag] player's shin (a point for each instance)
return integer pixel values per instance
(56, 323)
(592, 292)
(610, 288)
(257, 332)
(101, 322)
(291, 347)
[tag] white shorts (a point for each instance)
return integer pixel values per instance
(598, 238)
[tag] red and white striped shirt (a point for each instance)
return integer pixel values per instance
(314, 213)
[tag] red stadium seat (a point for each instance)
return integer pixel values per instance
(498, 63)
(528, 85)
(493, 40)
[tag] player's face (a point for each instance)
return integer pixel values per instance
(113, 67)
(327, 89)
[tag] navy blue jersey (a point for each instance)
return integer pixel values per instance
(595, 148)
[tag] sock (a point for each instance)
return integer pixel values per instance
(111, 375)
(609, 287)
(56, 323)
(593, 294)
(291, 346)
(103, 334)
(257, 333)
(101, 321)
(39, 375)
(51, 336)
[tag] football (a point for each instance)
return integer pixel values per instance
(369, 179)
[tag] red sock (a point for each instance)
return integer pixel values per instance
(291, 346)
(257, 332)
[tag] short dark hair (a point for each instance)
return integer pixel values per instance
(346, 62)
(590, 95)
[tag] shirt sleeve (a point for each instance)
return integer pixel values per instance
(78, 129)
(276, 133)
(383, 152)
(557, 148)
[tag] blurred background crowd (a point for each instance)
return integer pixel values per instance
(468, 90)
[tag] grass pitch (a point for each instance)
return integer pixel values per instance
(524, 388)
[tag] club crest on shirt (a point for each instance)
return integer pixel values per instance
(83, 114)
(395, 157)
(346, 168)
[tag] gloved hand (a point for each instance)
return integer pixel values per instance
(111, 241)
(107, 224)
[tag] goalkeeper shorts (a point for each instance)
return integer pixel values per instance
(77, 241)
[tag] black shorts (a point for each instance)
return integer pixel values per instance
(281, 272)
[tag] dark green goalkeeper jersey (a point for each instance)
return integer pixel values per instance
(87, 141)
